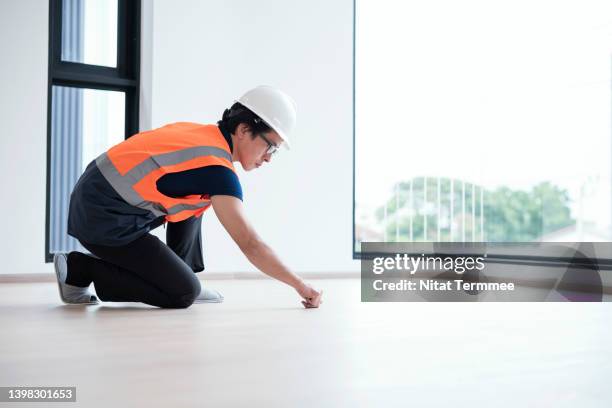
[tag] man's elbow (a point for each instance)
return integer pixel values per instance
(251, 246)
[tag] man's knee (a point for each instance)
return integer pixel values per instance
(185, 300)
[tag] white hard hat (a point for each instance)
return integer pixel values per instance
(275, 107)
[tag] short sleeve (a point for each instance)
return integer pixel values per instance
(209, 180)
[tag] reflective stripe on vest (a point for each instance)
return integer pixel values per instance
(137, 186)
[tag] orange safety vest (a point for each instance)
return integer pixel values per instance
(133, 166)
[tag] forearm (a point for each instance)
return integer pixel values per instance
(264, 259)
(229, 211)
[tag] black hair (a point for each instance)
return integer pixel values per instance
(238, 114)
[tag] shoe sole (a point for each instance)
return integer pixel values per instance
(212, 300)
(56, 265)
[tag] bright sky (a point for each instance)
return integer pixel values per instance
(497, 93)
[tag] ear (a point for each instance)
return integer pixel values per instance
(242, 130)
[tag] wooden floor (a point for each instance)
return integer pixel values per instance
(262, 349)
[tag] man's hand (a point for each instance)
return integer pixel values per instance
(312, 297)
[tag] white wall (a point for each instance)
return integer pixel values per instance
(198, 57)
(24, 27)
(205, 54)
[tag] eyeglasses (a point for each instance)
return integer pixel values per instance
(272, 148)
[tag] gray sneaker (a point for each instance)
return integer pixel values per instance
(208, 295)
(71, 295)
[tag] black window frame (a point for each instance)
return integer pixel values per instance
(125, 77)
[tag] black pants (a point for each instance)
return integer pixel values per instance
(145, 270)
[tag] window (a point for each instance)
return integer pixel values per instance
(94, 69)
(482, 121)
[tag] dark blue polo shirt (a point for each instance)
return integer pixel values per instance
(98, 215)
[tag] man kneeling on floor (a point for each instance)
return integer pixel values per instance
(172, 175)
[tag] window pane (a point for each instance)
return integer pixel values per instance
(89, 32)
(103, 122)
(482, 120)
(84, 123)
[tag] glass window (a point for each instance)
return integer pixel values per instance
(84, 124)
(103, 122)
(482, 121)
(89, 32)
